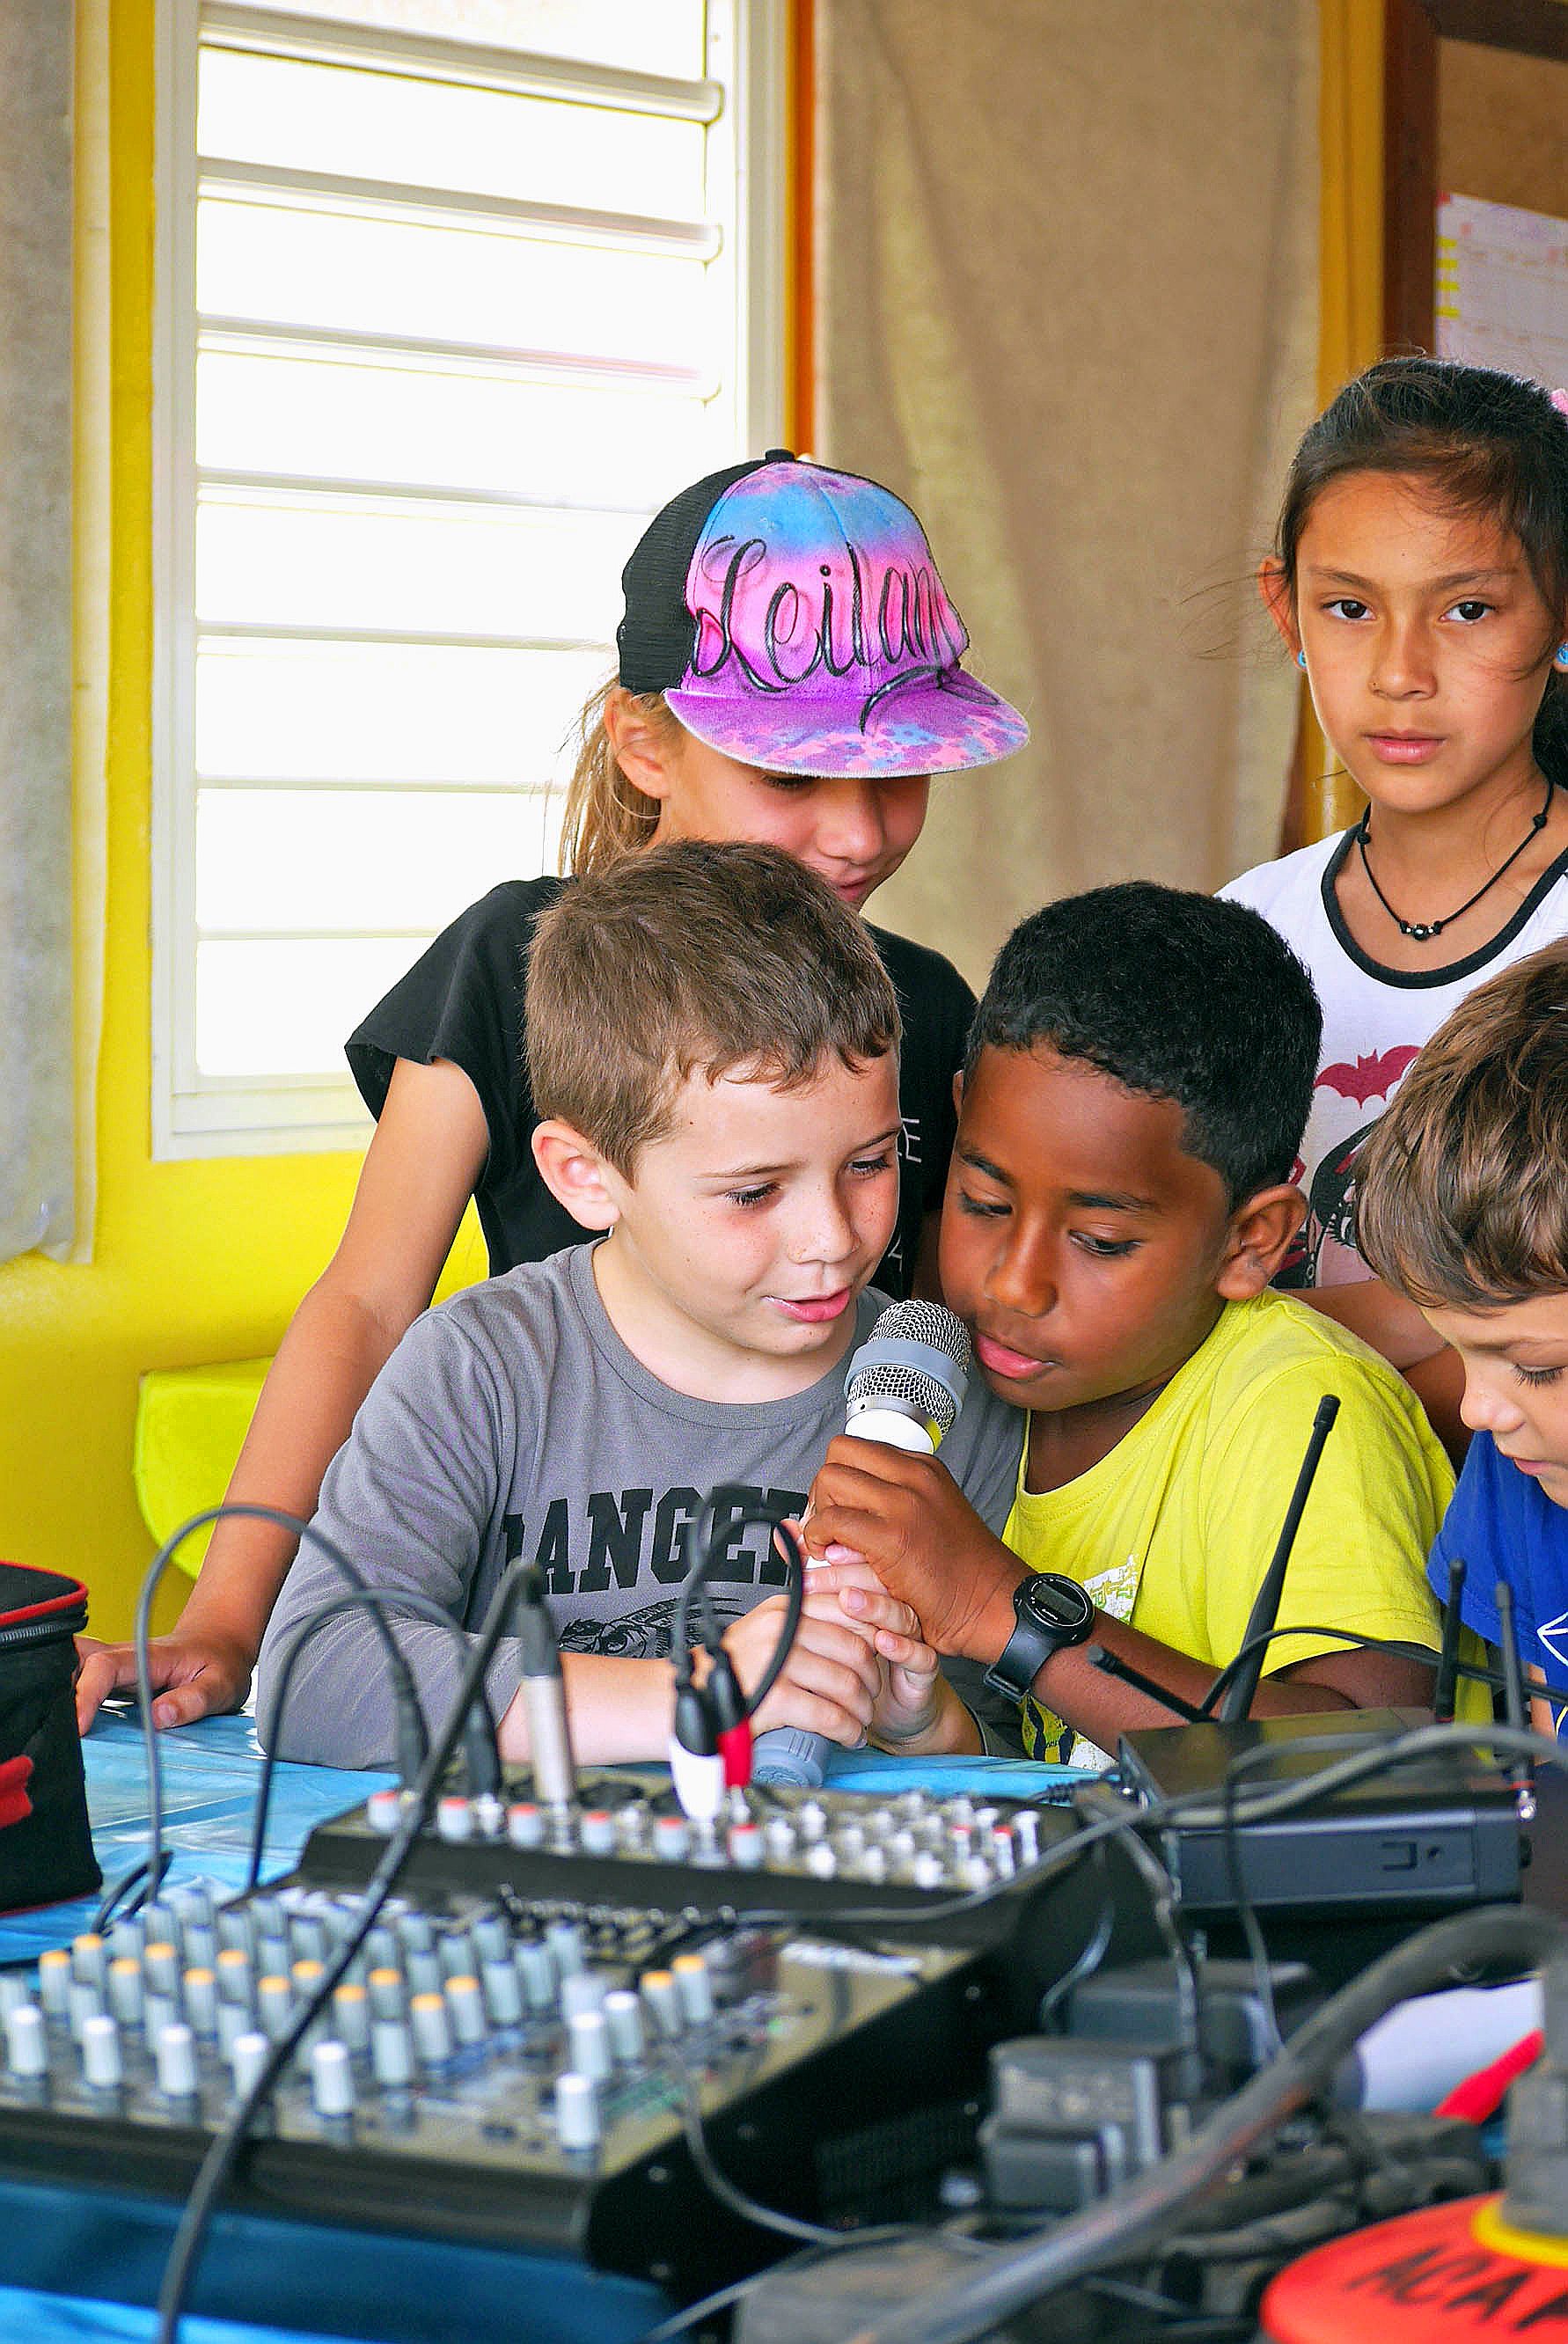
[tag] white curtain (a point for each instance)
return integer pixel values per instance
(36, 1077)
(1067, 256)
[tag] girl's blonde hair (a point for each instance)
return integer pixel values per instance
(605, 814)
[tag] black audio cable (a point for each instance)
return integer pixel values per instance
(710, 1743)
(217, 2165)
(479, 1731)
(412, 1743)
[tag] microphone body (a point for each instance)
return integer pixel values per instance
(905, 1387)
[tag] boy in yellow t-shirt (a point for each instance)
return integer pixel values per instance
(1134, 1097)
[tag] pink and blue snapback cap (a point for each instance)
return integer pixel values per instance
(793, 618)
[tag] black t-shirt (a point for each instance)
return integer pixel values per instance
(462, 1000)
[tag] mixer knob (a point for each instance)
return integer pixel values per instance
(597, 1831)
(811, 1819)
(193, 1900)
(14, 1991)
(928, 1871)
(525, 1824)
(125, 1989)
(351, 2015)
(588, 2043)
(820, 1861)
(199, 1945)
(273, 1953)
(465, 2008)
(880, 1822)
(694, 1988)
(416, 1932)
(565, 1939)
(1027, 1829)
(632, 1823)
(746, 1845)
(201, 2001)
(492, 1937)
(423, 1972)
(160, 1964)
(779, 1834)
(232, 1971)
(663, 2001)
(623, 2024)
(233, 2021)
(236, 1930)
(89, 1958)
(102, 2067)
(576, 2111)
(384, 1812)
(308, 1936)
(86, 2002)
(384, 1991)
(267, 1915)
(454, 1819)
(331, 2079)
(850, 1837)
(871, 1863)
(273, 2002)
(247, 2056)
(456, 1951)
(901, 1845)
(1003, 1855)
(583, 1990)
(671, 1837)
(392, 2059)
(432, 2030)
(174, 2057)
(535, 1972)
(306, 1975)
(27, 2042)
(488, 1815)
(158, 1924)
(961, 1808)
(55, 1982)
(381, 1948)
(502, 1993)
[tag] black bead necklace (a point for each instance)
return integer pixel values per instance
(1420, 932)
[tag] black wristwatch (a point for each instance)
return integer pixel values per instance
(1053, 1612)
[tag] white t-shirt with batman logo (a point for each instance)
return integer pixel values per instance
(1375, 1021)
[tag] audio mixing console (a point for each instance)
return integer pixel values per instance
(511, 2057)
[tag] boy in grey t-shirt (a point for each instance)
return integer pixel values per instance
(712, 1045)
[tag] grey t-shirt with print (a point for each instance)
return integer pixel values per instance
(513, 1421)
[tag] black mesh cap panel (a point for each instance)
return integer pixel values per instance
(657, 636)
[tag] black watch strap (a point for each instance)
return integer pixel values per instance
(1052, 1613)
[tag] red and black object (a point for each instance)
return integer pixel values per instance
(45, 1842)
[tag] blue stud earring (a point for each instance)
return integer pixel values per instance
(1301, 657)
(1560, 656)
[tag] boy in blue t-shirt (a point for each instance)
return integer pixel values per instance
(1464, 1210)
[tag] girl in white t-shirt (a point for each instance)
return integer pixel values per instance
(1421, 579)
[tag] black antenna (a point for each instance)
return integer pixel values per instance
(1243, 1686)
(1445, 1692)
(1522, 1767)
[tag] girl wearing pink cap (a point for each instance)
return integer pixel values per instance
(789, 672)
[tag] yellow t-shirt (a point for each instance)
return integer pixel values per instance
(1174, 1529)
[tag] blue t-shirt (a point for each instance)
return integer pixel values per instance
(1505, 1526)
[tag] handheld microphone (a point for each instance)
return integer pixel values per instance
(903, 1387)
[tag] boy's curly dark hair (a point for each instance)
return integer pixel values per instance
(1178, 995)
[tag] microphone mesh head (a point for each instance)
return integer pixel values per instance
(933, 1401)
(927, 1323)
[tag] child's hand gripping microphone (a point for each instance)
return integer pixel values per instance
(905, 1387)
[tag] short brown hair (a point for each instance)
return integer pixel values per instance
(1462, 1190)
(694, 956)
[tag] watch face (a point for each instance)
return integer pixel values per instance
(1058, 1602)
